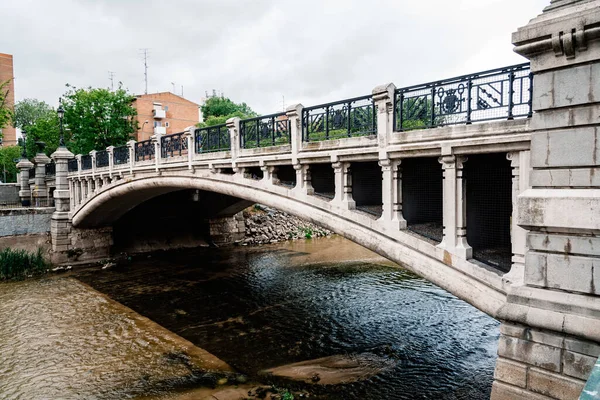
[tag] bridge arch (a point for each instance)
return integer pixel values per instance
(416, 255)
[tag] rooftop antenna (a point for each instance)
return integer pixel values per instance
(145, 51)
(111, 76)
(181, 90)
(173, 83)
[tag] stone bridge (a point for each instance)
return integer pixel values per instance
(485, 184)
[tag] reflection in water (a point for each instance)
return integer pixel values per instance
(259, 308)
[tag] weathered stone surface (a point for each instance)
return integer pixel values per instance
(536, 354)
(511, 372)
(578, 365)
(554, 385)
(503, 391)
(25, 221)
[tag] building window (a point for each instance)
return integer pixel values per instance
(166, 108)
(167, 124)
(157, 123)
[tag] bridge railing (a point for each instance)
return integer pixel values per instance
(86, 162)
(72, 165)
(340, 119)
(51, 169)
(211, 139)
(503, 93)
(102, 159)
(144, 150)
(120, 155)
(173, 145)
(265, 131)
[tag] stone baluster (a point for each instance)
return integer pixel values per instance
(455, 207)
(268, 173)
(93, 155)
(343, 185)
(303, 180)
(391, 186)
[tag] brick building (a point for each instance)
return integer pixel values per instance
(9, 134)
(165, 112)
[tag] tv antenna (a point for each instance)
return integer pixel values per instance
(145, 53)
(111, 76)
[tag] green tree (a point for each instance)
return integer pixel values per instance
(28, 111)
(217, 110)
(5, 109)
(8, 167)
(98, 118)
(46, 129)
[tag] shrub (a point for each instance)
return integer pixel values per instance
(19, 264)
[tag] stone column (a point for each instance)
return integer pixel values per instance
(64, 197)
(383, 97)
(40, 191)
(268, 170)
(294, 114)
(189, 137)
(233, 126)
(303, 180)
(455, 207)
(343, 185)
(131, 147)
(391, 187)
(519, 161)
(111, 161)
(156, 140)
(24, 165)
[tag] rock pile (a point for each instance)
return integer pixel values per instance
(267, 225)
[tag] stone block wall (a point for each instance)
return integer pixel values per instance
(25, 221)
(537, 364)
(9, 193)
(227, 229)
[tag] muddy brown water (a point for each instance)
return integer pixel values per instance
(255, 309)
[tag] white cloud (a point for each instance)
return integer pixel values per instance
(257, 50)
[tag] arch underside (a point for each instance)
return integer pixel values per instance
(469, 282)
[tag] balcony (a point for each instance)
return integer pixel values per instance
(160, 130)
(159, 113)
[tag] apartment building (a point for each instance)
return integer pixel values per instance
(164, 113)
(9, 134)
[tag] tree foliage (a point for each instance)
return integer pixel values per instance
(5, 109)
(46, 129)
(28, 111)
(217, 110)
(98, 118)
(8, 167)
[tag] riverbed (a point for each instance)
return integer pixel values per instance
(256, 310)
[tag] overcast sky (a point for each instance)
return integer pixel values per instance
(310, 51)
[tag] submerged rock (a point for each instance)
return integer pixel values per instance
(334, 369)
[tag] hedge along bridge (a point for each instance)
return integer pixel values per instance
(485, 184)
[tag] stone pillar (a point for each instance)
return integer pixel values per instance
(60, 227)
(227, 230)
(156, 140)
(455, 207)
(391, 187)
(89, 192)
(233, 126)
(25, 193)
(189, 137)
(294, 114)
(343, 185)
(519, 161)
(383, 97)
(93, 155)
(268, 173)
(40, 191)
(303, 182)
(131, 147)
(550, 336)
(111, 161)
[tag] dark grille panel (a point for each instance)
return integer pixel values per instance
(322, 178)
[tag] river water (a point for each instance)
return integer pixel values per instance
(255, 309)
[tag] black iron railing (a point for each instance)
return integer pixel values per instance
(31, 173)
(51, 169)
(173, 145)
(144, 150)
(503, 93)
(101, 159)
(33, 203)
(341, 119)
(120, 155)
(212, 138)
(265, 131)
(72, 165)
(86, 162)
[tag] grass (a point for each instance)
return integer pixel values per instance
(20, 264)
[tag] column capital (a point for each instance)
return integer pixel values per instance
(515, 158)
(452, 161)
(41, 159)
(62, 153)
(131, 143)
(232, 123)
(384, 92)
(24, 164)
(294, 111)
